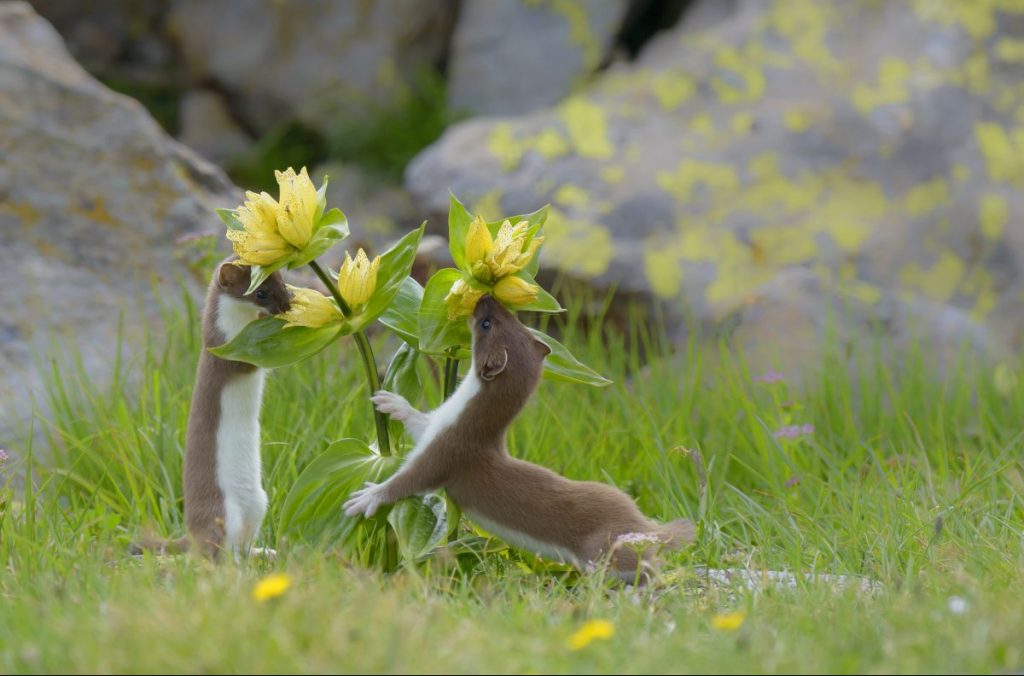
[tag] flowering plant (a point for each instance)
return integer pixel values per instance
(500, 258)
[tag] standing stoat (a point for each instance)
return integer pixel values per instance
(224, 499)
(461, 447)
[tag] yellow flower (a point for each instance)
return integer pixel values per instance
(515, 291)
(728, 621)
(511, 252)
(310, 308)
(591, 631)
(259, 243)
(298, 206)
(478, 242)
(462, 299)
(357, 279)
(271, 586)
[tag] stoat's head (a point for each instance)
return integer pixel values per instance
(271, 297)
(501, 342)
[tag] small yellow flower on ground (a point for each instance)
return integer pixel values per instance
(297, 208)
(728, 621)
(515, 291)
(590, 632)
(462, 299)
(271, 586)
(357, 279)
(310, 308)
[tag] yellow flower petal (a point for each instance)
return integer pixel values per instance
(590, 632)
(728, 621)
(511, 251)
(311, 309)
(263, 209)
(478, 242)
(515, 291)
(271, 586)
(462, 299)
(297, 208)
(357, 279)
(256, 247)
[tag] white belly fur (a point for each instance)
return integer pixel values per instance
(238, 439)
(524, 541)
(447, 413)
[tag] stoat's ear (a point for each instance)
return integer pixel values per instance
(494, 362)
(541, 348)
(230, 276)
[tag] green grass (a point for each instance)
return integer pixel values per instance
(907, 479)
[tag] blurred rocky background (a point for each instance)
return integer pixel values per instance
(761, 170)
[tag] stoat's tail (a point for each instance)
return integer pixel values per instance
(160, 546)
(676, 533)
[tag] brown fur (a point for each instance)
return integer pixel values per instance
(204, 501)
(470, 460)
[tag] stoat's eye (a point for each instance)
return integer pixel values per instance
(486, 325)
(261, 294)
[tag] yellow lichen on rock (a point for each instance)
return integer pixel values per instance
(572, 196)
(805, 24)
(577, 246)
(587, 125)
(672, 88)
(992, 215)
(717, 178)
(741, 79)
(509, 149)
(1003, 152)
(893, 80)
(940, 281)
(924, 198)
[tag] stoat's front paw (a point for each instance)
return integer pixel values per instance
(366, 501)
(395, 405)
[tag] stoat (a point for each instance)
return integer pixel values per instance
(460, 447)
(224, 499)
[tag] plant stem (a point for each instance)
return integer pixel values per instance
(366, 352)
(451, 372)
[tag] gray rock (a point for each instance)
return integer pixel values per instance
(519, 55)
(315, 59)
(207, 126)
(875, 145)
(92, 198)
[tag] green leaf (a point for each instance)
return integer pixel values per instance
(259, 273)
(228, 216)
(545, 301)
(438, 333)
(562, 366)
(395, 266)
(458, 226)
(331, 229)
(312, 509)
(321, 203)
(420, 524)
(266, 343)
(402, 315)
(403, 378)
(402, 375)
